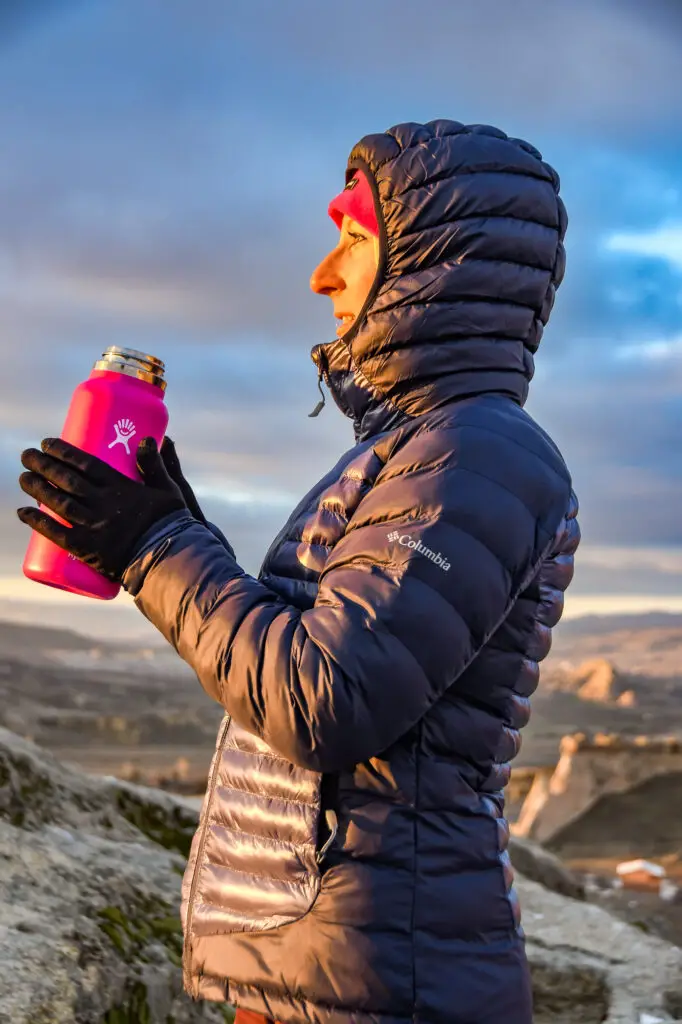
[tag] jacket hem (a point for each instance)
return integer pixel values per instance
(289, 1010)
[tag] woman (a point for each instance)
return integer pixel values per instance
(350, 862)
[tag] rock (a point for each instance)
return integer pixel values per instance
(37, 790)
(589, 966)
(539, 865)
(597, 680)
(627, 699)
(642, 821)
(90, 874)
(601, 773)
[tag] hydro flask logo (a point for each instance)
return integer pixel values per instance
(405, 540)
(125, 430)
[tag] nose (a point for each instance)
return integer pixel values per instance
(326, 279)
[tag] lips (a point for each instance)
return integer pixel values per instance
(346, 320)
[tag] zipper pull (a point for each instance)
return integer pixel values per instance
(320, 405)
(333, 825)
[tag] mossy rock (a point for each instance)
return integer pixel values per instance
(28, 794)
(135, 1009)
(171, 828)
(35, 790)
(151, 920)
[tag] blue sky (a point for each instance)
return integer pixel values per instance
(164, 180)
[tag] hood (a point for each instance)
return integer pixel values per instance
(471, 230)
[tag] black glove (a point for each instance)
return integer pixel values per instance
(172, 464)
(108, 511)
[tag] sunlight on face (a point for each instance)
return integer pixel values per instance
(347, 273)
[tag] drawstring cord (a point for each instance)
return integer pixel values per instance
(320, 405)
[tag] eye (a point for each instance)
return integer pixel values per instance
(357, 237)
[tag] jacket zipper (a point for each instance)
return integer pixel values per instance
(329, 800)
(333, 826)
(187, 949)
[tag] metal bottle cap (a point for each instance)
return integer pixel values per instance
(134, 364)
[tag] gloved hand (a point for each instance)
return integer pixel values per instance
(108, 511)
(172, 464)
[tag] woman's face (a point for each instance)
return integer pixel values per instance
(347, 273)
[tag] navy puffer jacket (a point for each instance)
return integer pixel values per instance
(350, 862)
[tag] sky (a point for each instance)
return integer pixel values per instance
(164, 179)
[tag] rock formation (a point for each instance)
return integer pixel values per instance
(89, 885)
(89, 891)
(589, 770)
(598, 680)
(642, 821)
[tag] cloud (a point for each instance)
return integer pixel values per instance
(667, 561)
(607, 68)
(618, 426)
(664, 241)
(619, 604)
(668, 349)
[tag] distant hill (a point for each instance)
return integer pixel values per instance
(639, 644)
(18, 639)
(36, 644)
(596, 625)
(112, 621)
(119, 621)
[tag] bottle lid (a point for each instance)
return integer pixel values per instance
(134, 364)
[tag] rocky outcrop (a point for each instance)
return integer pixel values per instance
(598, 680)
(588, 770)
(90, 873)
(643, 821)
(539, 865)
(589, 967)
(89, 930)
(594, 679)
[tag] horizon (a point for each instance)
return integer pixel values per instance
(128, 627)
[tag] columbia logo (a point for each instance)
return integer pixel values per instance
(405, 541)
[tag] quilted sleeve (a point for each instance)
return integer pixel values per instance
(434, 557)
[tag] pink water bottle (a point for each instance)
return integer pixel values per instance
(121, 402)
